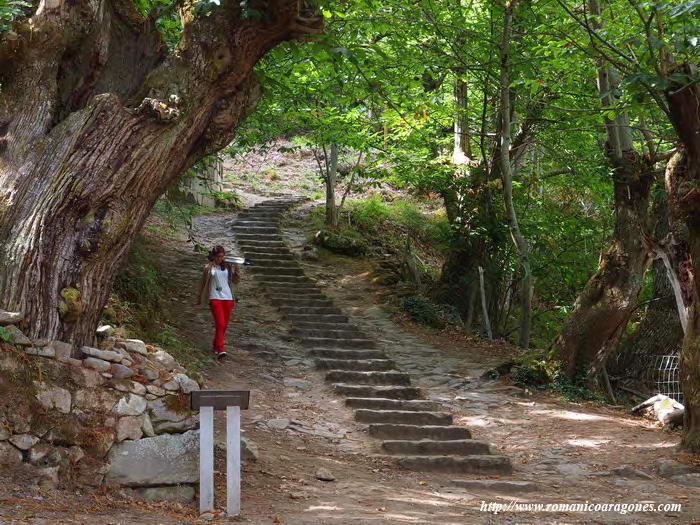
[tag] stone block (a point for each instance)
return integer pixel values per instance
(129, 427)
(161, 460)
(97, 364)
(131, 405)
(105, 355)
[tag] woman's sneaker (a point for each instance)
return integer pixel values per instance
(220, 355)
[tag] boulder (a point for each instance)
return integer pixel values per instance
(161, 460)
(54, 397)
(131, 405)
(7, 318)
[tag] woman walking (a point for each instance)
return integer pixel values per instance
(216, 286)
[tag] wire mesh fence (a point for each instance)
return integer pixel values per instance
(665, 375)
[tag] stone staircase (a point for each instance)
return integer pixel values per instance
(414, 431)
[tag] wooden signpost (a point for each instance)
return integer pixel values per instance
(233, 401)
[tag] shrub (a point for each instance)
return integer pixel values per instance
(344, 243)
(423, 310)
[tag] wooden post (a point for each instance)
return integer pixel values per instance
(484, 309)
(206, 459)
(233, 461)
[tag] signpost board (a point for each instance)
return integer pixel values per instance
(233, 401)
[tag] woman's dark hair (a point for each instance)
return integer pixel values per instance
(216, 250)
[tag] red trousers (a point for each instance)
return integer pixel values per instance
(221, 311)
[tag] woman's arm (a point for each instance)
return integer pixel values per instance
(202, 284)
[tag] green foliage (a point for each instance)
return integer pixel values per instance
(424, 311)
(11, 10)
(537, 370)
(229, 200)
(343, 242)
(5, 334)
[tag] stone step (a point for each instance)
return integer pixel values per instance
(329, 342)
(415, 432)
(385, 392)
(403, 417)
(334, 353)
(378, 403)
(368, 378)
(299, 279)
(259, 237)
(311, 293)
(477, 464)
(255, 230)
(277, 270)
(268, 262)
(255, 222)
(263, 245)
(308, 310)
(457, 447)
(295, 291)
(259, 216)
(351, 333)
(365, 365)
(305, 301)
(325, 326)
(333, 318)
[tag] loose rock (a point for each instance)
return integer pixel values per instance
(324, 474)
(133, 345)
(293, 382)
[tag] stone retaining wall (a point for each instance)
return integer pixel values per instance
(118, 416)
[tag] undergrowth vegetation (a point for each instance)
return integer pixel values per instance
(137, 304)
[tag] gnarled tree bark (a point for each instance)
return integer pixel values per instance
(683, 183)
(96, 121)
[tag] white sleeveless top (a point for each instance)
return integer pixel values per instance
(218, 287)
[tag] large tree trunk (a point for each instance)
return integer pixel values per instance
(659, 332)
(96, 121)
(603, 308)
(683, 181)
(605, 305)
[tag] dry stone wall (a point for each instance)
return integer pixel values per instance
(118, 416)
